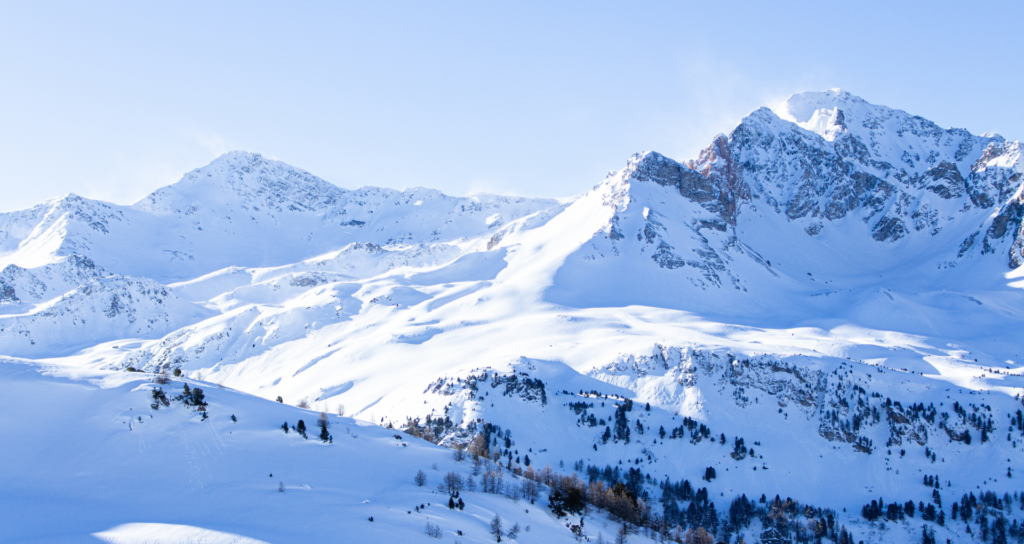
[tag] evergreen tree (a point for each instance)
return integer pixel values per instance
(301, 428)
(285, 427)
(999, 531)
(556, 502)
(927, 535)
(323, 422)
(929, 513)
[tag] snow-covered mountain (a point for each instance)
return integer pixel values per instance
(836, 285)
(244, 210)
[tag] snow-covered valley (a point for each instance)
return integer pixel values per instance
(825, 306)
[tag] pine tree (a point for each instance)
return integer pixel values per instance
(285, 427)
(927, 537)
(301, 428)
(929, 513)
(323, 423)
(999, 531)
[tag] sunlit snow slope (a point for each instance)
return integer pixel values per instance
(827, 281)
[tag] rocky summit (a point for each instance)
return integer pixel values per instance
(810, 332)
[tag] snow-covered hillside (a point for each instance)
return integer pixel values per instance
(99, 457)
(835, 285)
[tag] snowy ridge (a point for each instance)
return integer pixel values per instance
(245, 210)
(834, 285)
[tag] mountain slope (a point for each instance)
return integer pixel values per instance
(836, 283)
(244, 210)
(171, 474)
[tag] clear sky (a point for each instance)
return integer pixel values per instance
(111, 100)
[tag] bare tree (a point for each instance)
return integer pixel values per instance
(280, 487)
(477, 465)
(698, 536)
(420, 478)
(513, 532)
(161, 378)
(433, 530)
(531, 489)
(341, 410)
(304, 404)
(496, 528)
(622, 535)
(459, 454)
(513, 491)
(478, 447)
(451, 483)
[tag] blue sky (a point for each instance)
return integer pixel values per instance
(114, 99)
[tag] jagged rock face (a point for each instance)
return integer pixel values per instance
(18, 284)
(718, 187)
(105, 307)
(826, 156)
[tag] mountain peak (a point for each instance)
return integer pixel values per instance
(802, 107)
(249, 179)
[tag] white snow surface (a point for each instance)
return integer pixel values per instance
(825, 260)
